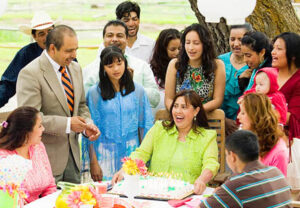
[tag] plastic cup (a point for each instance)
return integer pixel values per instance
(101, 188)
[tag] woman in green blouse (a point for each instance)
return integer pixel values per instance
(183, 145)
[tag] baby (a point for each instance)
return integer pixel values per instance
(265, 82)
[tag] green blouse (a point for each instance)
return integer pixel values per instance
(166, 152)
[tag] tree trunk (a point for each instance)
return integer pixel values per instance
(270, 16)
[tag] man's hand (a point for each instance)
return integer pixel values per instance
(78, 124)
(96, 171)
(92, 132)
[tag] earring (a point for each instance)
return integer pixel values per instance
(104, 73)
(195, 118)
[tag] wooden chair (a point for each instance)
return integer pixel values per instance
(216, 121)
(3, 116)
(162, 114)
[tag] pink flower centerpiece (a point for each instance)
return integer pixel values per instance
(134, 167)
(75, 196)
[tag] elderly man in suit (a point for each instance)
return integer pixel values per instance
(52, 83)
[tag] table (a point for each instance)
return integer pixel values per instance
(49, 202)
(45, 202)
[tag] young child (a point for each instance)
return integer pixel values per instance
(265, 82)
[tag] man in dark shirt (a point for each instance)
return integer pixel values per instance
(253, 184)
(41, 24)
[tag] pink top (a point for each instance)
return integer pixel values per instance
(278, 157)
(39, 181)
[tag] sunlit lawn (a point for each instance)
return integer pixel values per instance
(154, 14)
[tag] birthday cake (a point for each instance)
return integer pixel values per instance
(157, 188)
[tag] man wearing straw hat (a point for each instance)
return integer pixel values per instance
(41, 24)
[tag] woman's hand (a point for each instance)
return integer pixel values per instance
(199, 186)
(230, 126)
(92, 132)
(117, 177)
(202, 180)
(246, 74)
(96, 171)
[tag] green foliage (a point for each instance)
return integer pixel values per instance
(155, 14)
(11, 36)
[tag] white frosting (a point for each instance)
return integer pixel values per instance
(158, 187)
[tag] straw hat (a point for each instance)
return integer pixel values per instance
(41, 20)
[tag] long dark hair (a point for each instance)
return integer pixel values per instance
(194, 99)
(160, 59)
(292, 46)
(18, 125)
(257, 41)
(208, 55)
(108, 56)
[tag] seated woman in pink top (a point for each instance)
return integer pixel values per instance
(21, 134)
(257, 115)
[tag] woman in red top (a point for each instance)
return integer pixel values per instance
(286, 57)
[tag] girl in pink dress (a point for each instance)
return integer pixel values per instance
(257, 115)
(21, 134)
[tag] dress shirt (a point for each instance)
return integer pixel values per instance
(163, 149)
(142, 48)
(56, 68)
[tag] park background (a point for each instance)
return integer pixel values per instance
(88, 18)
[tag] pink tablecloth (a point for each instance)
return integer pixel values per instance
(49, 201)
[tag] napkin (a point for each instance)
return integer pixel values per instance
(178, 203)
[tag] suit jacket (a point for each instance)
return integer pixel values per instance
(9, 78)
(39, 87)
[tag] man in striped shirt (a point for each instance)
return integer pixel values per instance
(252, 184)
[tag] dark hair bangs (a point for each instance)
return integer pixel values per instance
(111, 57)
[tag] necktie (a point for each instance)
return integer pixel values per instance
(65, 79)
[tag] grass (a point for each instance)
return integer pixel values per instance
(155, 14)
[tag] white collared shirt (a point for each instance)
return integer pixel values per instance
(142, 48)
(56, 67)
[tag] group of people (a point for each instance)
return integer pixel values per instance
(112, 102)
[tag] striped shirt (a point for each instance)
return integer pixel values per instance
(259, 186)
